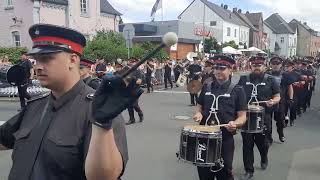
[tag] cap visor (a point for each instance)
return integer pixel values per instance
(46, 50)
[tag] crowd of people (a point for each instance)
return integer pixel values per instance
(78, 133)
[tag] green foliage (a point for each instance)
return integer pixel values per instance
(230, 43)
(14, 53)
(111, 45)
(211, 44)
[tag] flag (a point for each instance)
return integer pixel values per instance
(156, 6)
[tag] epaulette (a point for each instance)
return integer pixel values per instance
(36, 98)
(90, 96)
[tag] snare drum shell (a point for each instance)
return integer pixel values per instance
(255, 120)
(201, 149)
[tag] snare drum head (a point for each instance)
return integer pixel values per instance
(201, 128)
(255, 108)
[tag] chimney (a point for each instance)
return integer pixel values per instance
(222, 5)
(239, 11)
(247, 12)
(234, 10)
(225, 7)
(305, 23)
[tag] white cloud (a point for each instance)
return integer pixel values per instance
(140, 10)
(302, 10)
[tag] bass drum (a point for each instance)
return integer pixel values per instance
(13, 74)
(182, 80)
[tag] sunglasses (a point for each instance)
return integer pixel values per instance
(275, 63)
(221, 68)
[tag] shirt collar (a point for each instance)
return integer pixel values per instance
(225, 85)
(68, 96)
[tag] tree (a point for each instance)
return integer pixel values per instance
(13, 53)
(208, 44)
(211, 44)
(230, 43)
(111, 45)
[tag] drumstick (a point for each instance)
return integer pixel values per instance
(259, 102)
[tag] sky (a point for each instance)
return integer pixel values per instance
(302, 10)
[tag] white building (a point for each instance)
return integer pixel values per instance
(86, 16)
(283, 39)
(227, 26)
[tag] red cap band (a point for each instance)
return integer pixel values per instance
(71, 45)
(223, 62)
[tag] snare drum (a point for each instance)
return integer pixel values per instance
(201, 145)
(255, 120)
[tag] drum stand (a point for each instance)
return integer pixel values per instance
(214, 110)
(254, 92)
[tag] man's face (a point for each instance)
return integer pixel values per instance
(257, 68)
(24, 57)
(52, 69)
(276, 66)
(84, 71)
(222, 73)
(288, 68)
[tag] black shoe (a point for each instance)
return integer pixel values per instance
(291, 123)
(264, 164)
(131, 121)
(247, 176)
(141, 118)
(282, 138)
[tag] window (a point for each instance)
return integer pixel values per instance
(84, 6)
(9, 3)
(282, 39)
(228, 31)
(213, 23)
(16, 38)
(235, 33)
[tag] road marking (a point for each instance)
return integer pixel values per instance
(172, 92)
(2, 122)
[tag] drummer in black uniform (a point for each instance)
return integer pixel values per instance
(68, 134)
(85, 68)
(195, 70)
(278, 110)
(232, 111)
(269, 91)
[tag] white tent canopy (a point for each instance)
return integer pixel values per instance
(254, 49)
(230, 50)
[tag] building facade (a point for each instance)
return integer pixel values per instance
(285, 39)
(190, 35)
(227, 26)
(86, 16)
(308, 41)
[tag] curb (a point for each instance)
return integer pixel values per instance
(9, 99)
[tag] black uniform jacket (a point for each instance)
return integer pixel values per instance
(62, 153)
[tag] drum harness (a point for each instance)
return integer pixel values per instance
(254, 92)
(214, 111)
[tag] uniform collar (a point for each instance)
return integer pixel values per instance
(225, 85)
(71, 94)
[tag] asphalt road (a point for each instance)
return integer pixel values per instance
(153, 143)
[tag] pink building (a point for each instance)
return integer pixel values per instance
(86, 16)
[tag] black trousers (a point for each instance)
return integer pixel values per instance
(134, 107)
(176, 76)
(308, 97)
(226, 172)
(167, 78)
(193, 98)
(23, 95)
(149, 84)
(300, 99)
(260, 139)
(278, 116)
